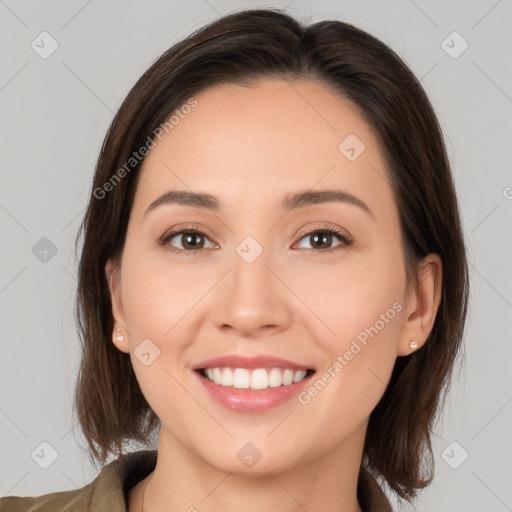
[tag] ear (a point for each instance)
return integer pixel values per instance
(421, 304)
(112, 273)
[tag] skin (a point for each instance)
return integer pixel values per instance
(249, 147)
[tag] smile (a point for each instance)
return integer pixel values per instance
(254, 384)
(259, 378)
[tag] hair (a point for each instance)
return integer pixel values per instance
(242, 48)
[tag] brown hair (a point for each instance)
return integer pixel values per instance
(241, 48)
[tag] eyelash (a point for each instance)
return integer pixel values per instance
(346, 240)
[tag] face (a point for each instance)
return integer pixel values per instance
(262, 289)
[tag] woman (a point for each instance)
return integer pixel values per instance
(273, 275)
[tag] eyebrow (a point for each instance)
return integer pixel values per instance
(290, 202)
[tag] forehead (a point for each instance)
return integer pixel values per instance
(246, 144)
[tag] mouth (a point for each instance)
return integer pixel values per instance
(254, 379)
(252, 384)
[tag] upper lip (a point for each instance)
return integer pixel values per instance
(239, 361)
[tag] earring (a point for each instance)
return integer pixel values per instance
(413, 345)
(119, 336)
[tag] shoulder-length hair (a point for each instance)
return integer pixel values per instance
(241, 48)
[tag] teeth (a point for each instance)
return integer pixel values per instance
(241, 378)
(260, 378)
(274, 378)
(227, 377)
(298, 376)
(287, 377)
(217, 375)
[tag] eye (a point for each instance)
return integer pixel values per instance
(190, 240)
(186, 240)
(322, 238)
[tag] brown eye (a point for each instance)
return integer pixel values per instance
(321, 240)
(191, 240)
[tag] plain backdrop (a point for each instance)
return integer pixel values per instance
(55, 110)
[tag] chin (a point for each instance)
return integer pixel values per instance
(251, 458)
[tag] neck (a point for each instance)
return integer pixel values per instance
(183, 481)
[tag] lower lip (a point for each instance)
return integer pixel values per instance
(251, 400)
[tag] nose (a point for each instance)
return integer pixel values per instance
(253, 302)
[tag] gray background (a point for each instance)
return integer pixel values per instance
(55, 113)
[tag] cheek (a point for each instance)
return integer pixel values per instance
(359, 298)
(158, 304)
(361, 304)
(165, 302)
(358, 363)
(157, 294)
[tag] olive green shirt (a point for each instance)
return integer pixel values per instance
(108, 492)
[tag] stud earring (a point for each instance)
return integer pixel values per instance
(413, 345)
(119, 336)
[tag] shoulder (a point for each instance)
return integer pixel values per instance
(77, 500)
(107, 491)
